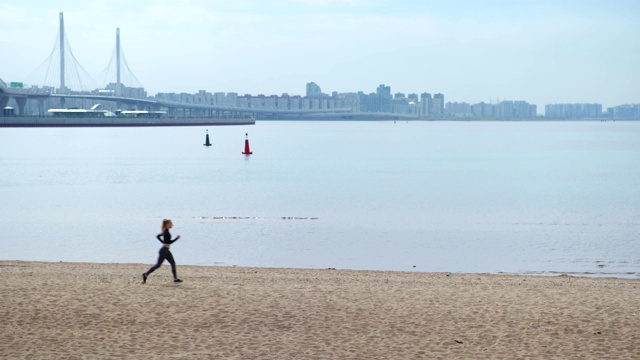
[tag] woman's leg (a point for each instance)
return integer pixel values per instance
(169, 258)
(161, 256)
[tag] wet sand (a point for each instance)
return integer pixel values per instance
(95, 311)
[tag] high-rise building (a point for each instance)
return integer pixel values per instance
(438, 105)
(218, 98)
(514, 110)
(313, 90)
(458, 109)
(572, 111)
(365, 102)
(271, 101)
(232, 99)
(626, 112)
(399, 104)
(295, 102)
(426, 102)
(482, 110)
(384, 98)
(348, 101)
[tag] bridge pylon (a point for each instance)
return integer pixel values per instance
(4, 100)
(63, 87)
(22, 104)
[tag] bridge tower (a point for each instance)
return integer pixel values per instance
(62, 84)
(63, 87)
(118, 84)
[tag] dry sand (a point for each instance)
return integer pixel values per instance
(95, 311)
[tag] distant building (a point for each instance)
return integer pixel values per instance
(384, 98)
(458, 110)
(232, 99)
(626, 112)
(426, 103)
(168, 97)
(313, 90)
(364, 102)
(399, 104)
(482, 110)
(283, 102)
(203, 97)
(573, 111)
(295, 102)
(349, 101)
(514, 110)
(244, 101)
(219, 99)
(437, 109)
(125, 91)
(424, 106)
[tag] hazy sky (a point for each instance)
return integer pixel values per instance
(540, 51)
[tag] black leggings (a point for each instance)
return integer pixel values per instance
(164, 254)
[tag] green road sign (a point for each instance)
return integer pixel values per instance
(17, 84)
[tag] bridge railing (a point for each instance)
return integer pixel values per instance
(28, 91)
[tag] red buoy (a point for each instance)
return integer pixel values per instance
(246, 151)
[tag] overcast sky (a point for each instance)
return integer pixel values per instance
(540, 51)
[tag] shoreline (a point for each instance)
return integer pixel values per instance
(90, 310)
(623, 275)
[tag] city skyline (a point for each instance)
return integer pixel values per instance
(543, 52)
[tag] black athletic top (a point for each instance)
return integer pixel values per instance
(166, 237)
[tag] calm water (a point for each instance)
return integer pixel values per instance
(516, 197)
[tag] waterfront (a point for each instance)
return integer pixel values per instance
(516, 197)
(75, 121)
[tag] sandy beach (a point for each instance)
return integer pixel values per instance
(96, 311)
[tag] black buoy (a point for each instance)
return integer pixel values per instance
(206, 141)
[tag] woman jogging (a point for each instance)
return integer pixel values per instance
(165, 238)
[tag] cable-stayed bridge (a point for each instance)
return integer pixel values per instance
(61, 80)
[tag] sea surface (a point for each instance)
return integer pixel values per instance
(483, 197)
